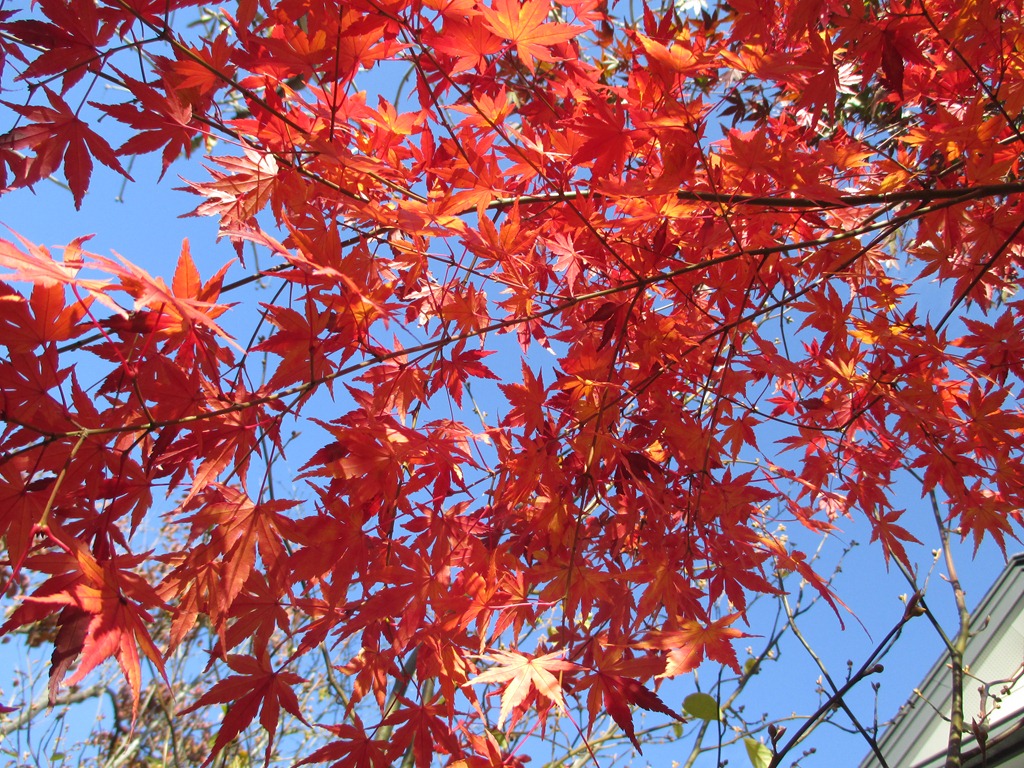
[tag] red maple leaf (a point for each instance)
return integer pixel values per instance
(159, 119)
(454, 372)
(618, 693)
(468, 42)
(237, 197)
(885, 530)
(68, 43)
(59, 138)
(257, 688)
(354, 748)
(45, 317)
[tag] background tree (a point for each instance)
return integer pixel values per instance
(577, 319)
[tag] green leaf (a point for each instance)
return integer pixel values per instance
(703, 706)
(760, 756)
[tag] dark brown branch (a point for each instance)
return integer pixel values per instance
(853, 201)
(868, 668)
(779, 201)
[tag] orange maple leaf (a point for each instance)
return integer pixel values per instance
(689, 645)
(469, 43)
(206, 69)
(103, 614)
(524, 24)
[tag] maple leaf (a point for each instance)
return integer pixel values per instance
(298, 341)
(677, 59)
(256, 689)
(527, 401)
(37, 265)
(426, 728)
(523, 675)
(468, 42)
(237, 197)
(68, 43)
(160, 119)
(59, 138)
(256, 612)
(619, 692)
(174, 311)
(986, 513)
(352, 749)
(203, 70)
(103, 607)
(42, 319)
(689, 645)
(524, 24)
(242, 528)
(453, 373)
(891, 536)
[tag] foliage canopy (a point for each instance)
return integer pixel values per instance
(715, 272)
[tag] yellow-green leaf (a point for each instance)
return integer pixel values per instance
(760, 756)
(703, 706)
